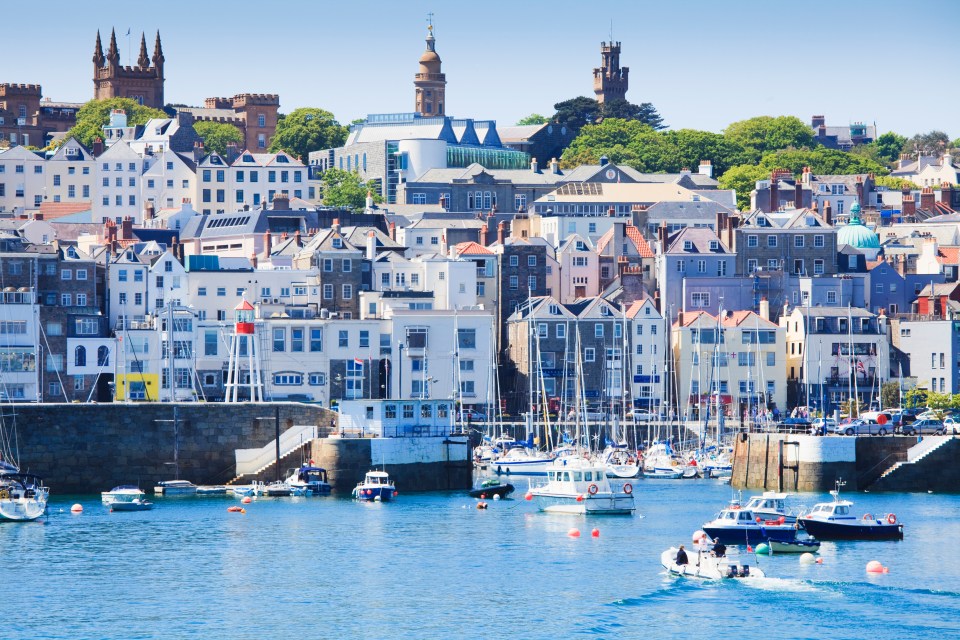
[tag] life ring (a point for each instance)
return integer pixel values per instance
(867, 516)
(628, 488)
(892, 518)
(4, 494)
(674, 463)
(592, 489)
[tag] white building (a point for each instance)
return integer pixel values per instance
(70, 174)
(22, 180)
(117, 190)
(169, 180)
(19, 343)
(648, 357)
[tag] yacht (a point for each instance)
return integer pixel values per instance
(580, 486)
(22, 496)
(836, 521)
(123, 493)
(522, 461)
(621, 462)
(308, 480)
(175, 488)
(735, 525)
(376, 487)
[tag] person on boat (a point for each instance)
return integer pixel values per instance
(719, 549)
(681, 556)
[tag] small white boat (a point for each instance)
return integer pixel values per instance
(376, 487)
(796, 546)
(277, 490)
(621, 463)
(836, 521)
(123, 493)
(771, 505)
(580, 487)
(136, 504)
(175, 488)
(522, 461)
(734, 525)
(212, 490)
(705, 565)
(22, 496)
(242, 490)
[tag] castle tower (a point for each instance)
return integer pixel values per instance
(244, 331)
(142, 83)
(610, 80)
(430, 83)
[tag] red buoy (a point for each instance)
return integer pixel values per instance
(529, 496)
(595, 533)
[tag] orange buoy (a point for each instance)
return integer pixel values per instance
(595, 533)
(574, 533)
(874, 566)
(247, 500)
(77, 508)
(529, 496)
(481, 505)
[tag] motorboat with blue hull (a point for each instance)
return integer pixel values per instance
(492, 487)
(175, 488)
(708, 566)
(809, 545)
(738, 526)
(137, 504)
(837, 521)
(309, 480)
(22, 495)
(376, 487)
(579, 486)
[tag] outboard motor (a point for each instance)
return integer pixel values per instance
(732, 571)
(745, 572)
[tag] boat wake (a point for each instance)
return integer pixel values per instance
(783, 585)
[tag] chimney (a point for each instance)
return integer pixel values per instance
(902, 266)
(296, 238)
(805, 177)
(198, 151)
(946, 194)
(860, 190)
(38, 216)
(798, 195)
(126, 228)
(267, 243)
(764, 308)
(774, 196)
(554, 166)
(817, 122)
(662, 236)
(611, 212)
(656, 299)
(368, 203)
(232, 152)
(534, 166)
(500, 226)
(371, 245)
(483, 235)
(721, 222)
(926, 199)
(827, 213)
(173, 246)
(731, 225)
(253, 259)
(97, 147)
(909, 207)
(904, 159)
(281, 201)
(706, 168)
(393, 231)
(604, 161)
(336, 225)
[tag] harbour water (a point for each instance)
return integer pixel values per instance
(434, 566)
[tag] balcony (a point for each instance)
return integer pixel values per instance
(844, 381)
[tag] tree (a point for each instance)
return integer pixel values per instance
(955, 144)
(307, 129)
(764, 133)
(644, 113)
(890, 146)
(576, 113)
(344, 189)
(743, 179)
(613, 137)
(533, 118)
(821, 160)
(216, 135)
(932, 143)
(890, 393)
(95, 115)
(895, 184)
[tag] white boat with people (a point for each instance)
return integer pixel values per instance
(706, 565)
(309, 480)
(22, 495)
(580, 486)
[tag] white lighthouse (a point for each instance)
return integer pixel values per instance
(244, 335)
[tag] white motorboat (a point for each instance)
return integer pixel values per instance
(136, 504)
(212, 490)
(243, 490)
(836, 521)
(735, 525)
(660, 463)
(22, 496)
(522, 461)
(309, 480)
(277, 489)
(376, 487)
(707, 566)
(175, 488)
(579, 486)
(771, 505)
(123, 493)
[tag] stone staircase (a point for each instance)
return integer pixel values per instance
(253, 463)
(918, 463)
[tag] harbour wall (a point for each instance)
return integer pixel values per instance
(87, 448)
(787, 462)
(415, 464)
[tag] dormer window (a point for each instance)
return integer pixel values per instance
(337, 243)
(554, 310)
(714, 245)
(820, 324)
(687, 245)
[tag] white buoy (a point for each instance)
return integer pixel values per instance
(807, 558)
(496, 496)
(77, 508)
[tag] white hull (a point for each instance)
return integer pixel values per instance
(22, 509)
(623, 470)
(705, 566)
(520, 467)
(600, 504)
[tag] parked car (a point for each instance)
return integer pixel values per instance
(823, 426)
(861, 427)
(794, 425)
(640, 415)
(474, 416)
(952, 425)
(924, 428)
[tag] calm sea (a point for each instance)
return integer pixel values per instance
(433, 566)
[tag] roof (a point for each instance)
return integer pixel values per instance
(632, 234)
(603, 193)
(939, 289)
(55, 210)
(519, 133)
(731, 319)
(833, 312)
(472, 249)
(948, 255)
(403, 128)
(700, 239)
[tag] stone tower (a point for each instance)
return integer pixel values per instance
(610, 80)
(142, 83)
(430, 83)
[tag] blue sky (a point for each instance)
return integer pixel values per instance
(702, 64)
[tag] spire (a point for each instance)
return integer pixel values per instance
(143, 61)
(158, 52)
(113, 55)
(98, 52)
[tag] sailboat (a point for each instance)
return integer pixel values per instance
(22, 495)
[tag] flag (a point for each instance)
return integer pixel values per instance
(860, 366)
(128, 31)
(358, 362)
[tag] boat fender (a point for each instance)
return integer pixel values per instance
(867, 516)
(628, 488)
(892, 518)
(592, 489)
(4, 494)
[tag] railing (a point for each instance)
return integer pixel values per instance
(251, 461)
(923, 447)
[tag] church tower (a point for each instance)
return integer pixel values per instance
(142, 83)
(610, 80)
(430, 83)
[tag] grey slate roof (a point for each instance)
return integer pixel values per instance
(701, 238)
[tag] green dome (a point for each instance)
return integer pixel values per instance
(856, 234)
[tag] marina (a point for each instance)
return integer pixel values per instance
(428, 542)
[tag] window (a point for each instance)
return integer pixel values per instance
(818, 267)
(328, 292)
(80, 357)
(798, 242)
(531, 282)
(466, 338)
(288, 379)
(831, 297)
(346, 266)
(317, 379)
(347, 291)
(598, 330)
(514, 282)
(531, 261)
(296, 339)
(279, 339)
(514, 261)
(589, 355)
(772, 241)
(66, 274)
(798, 266)
(701, 266)
(771, 358)
(316, 339)
(751, 265)
(752, 241)
(818, 241)
(700, 299)
(561, 330)
(103, 357)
